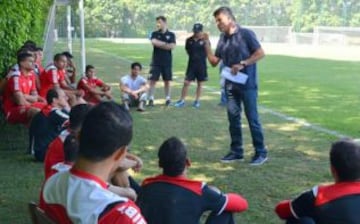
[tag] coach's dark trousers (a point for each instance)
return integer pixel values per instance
(238, 96)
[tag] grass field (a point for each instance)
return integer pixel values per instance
(321, 91)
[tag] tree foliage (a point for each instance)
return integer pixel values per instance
(20, 20)
(129, 18)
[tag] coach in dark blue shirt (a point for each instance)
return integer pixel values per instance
(164, 42)
(239, 49)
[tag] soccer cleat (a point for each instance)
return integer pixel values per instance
(180, 103)
(151, 103)
(232, 157)
(258, 160)
(167, 102)
(196, 104)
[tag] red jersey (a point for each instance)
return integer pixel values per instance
(49, 77)
(85, 83)
(78, 197)
(22, 83)
(55, 153)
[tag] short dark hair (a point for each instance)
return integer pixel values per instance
(172, 157)
(162, 18)
(30, 43)
(71, 148)
(51, 94)
(58, 56)
(77, 115)
(67, 54)
(23, 56)
(88, 67)
(39, 49)
(106, 128)
(345, 159)
(133, 65)
(224, 10)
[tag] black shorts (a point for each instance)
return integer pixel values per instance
(165, 71)
(199, 73)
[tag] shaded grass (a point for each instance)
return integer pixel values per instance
(298, 156)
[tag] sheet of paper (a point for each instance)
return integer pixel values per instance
(240, 77)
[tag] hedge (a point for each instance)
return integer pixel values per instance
(20, 20)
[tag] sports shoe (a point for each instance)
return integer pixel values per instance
(232, 157)
(151, 103)
(258, 160)
(196, 104)
(180, 103)
(167, 102)
(126, 105)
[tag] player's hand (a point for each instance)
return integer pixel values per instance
(138, 166)
(135, 95)
(41, 99)
(236, 68)
(80, 93)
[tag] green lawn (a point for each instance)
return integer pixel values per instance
(322, 92)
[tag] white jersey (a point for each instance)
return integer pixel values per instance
(133, 84)
(78, 197)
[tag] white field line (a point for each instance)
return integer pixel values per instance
(299, 121)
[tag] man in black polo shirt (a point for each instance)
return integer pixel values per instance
(164, 42)
(330, 204)
(239, 50)
(196, 69)
(172, 198)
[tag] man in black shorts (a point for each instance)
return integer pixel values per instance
(196, 69)
(164, 42)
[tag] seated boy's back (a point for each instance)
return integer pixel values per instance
(172, 198)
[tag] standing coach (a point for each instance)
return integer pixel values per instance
(239, 50)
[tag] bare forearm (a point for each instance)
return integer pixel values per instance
(125, 89)
(213, 60)
(256, 56)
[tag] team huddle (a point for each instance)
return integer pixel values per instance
(87, 178)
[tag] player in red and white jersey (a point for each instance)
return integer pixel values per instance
(89, 85)
(21, 101)
(54, 76)
(55, 151)
(66, 194)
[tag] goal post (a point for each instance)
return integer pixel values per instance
(59, 17)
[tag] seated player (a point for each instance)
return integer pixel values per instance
(89, 85)
(334, 203)
(70, 69)
(133, 88)
(21, 100)
(54, 76)
(55, 151)
(66, 194)
(48, 124)
(71, 148)
(172, 198)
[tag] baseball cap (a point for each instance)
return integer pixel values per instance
(198, 27)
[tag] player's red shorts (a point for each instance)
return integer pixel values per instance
(18, 114)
